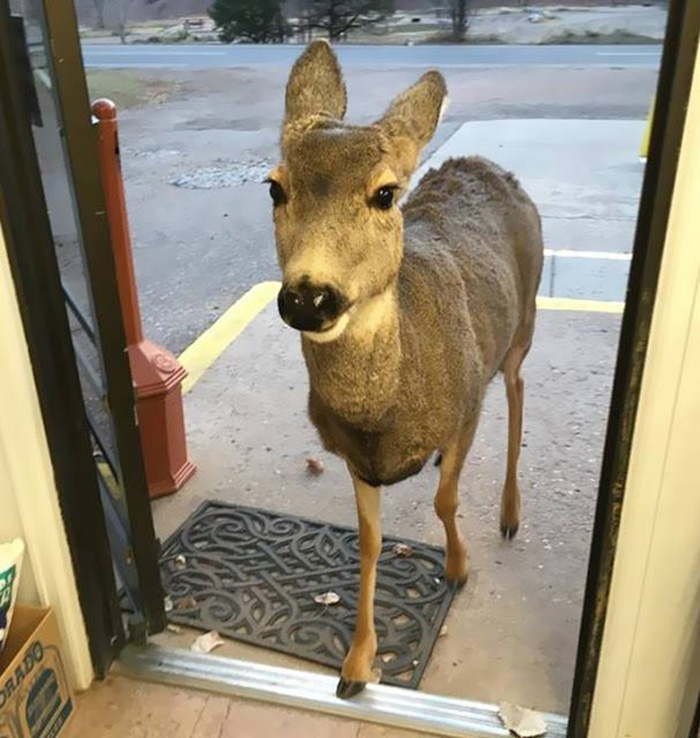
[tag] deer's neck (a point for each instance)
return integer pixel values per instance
(357, 375)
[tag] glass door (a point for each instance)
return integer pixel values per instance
(48, 114)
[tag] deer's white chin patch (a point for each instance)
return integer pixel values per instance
(332, 334)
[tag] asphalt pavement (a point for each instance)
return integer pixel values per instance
(205, 56)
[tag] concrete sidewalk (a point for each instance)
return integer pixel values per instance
(585, 177)
(512, 631)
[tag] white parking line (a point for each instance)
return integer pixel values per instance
(571, 254)
(628, 53)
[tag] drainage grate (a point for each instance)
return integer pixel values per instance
(253, 576)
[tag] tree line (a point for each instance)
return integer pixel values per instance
(264, 21)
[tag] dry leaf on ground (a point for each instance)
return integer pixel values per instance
(523, 722)
(207, 642)
(314, 466)
(186, 603)
(327, 598)
(403, 549)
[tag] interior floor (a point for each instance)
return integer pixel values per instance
(120, 707)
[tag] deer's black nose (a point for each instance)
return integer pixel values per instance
(309, 307)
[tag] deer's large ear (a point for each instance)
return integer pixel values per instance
(315, 90)
(413, 117)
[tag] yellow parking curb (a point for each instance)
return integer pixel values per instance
(206, 349)
(644, 145)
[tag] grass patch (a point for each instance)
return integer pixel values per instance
(592, 37)
(445, 37)
(129, 89)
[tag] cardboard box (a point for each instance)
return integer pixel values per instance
(35, 695)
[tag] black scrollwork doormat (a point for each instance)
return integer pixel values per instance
(257, 577)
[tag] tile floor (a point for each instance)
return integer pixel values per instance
(124, 708)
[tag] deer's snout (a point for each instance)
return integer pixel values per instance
(309, 307)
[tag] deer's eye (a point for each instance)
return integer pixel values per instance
(277, 193)
(384, 198)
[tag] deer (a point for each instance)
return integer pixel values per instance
(406, 312)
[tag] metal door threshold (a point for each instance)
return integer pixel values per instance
(394, 706)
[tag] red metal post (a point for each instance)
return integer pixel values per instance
(156, 373)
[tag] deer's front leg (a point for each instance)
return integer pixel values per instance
(357, 667)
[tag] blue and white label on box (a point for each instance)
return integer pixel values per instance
(40, 695)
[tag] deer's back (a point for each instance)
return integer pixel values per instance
(472, 264)
(473, 240)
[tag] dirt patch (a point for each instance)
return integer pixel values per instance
(130, 90)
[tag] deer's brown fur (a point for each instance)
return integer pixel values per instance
(467, 281)
(441, 297)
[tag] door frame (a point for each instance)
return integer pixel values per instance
(649, 672)
(80, 143)
(32, 258)
(672, 96)
(31, 253)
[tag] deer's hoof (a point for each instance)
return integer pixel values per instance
(457, 568)
(348, 689)
(456, 584)
(508, 531)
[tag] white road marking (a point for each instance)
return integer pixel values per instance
(234, 63)
(628, 53)
(571, 254)
(160, 52)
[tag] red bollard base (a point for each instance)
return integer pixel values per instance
(157, 376)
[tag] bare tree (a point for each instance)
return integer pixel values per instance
(337, 17)
(460, 13)
(99, 6)
(124, 6)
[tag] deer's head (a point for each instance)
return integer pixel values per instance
(335, 194)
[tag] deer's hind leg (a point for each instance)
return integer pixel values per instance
(515, 391)
(447, 502)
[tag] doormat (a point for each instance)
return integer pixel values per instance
(291, 585)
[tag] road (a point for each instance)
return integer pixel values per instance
(206, 56)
